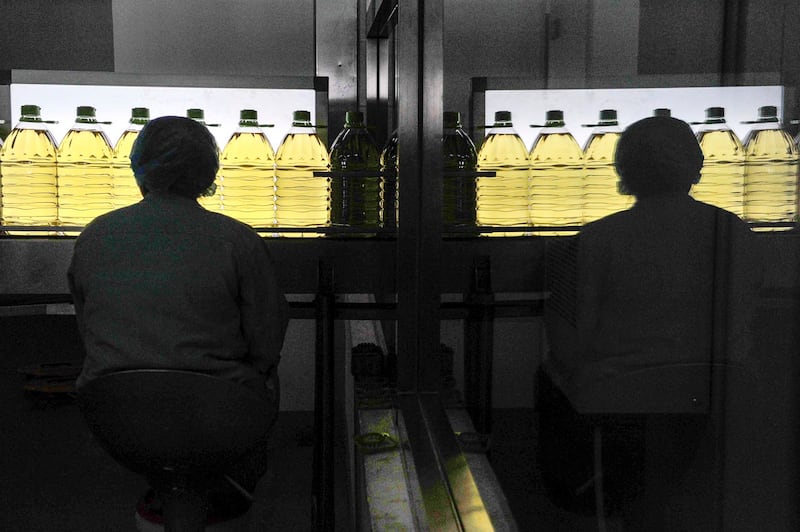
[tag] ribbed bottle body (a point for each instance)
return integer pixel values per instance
(556, 191)
(601, 180)
(502, 200)
(389, 166)
(459, 190)
(770, 179)
(722, 176)
(85, 190)
(246, 178)
(28, 177)
(301, 199)
(357, 186)
(125, 189)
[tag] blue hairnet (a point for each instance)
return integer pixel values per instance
(176, 154)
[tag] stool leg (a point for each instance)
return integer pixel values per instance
(184, 510)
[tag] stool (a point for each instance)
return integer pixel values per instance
(662, 414)
(181, 430)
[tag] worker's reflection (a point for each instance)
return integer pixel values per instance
(663, 284)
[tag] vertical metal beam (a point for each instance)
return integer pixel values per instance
(322, 106)
(477, 115)
(323, 482)
(478, 355)
(420, 90)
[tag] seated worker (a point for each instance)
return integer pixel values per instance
(164, 283)
(662, 283)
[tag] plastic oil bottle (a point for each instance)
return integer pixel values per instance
(84, 171)
(246, 178)
(770, 178)
(210, 199)
(126, 191)
(301, 198)
(601, 195)
(28, 180)
(502, 200)
(356, 181)
(389, 167)
(556, 191)
(460, 164)
(722, 177)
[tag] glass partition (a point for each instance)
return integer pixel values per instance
(679, 435)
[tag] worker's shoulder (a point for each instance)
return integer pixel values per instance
(608, 223)
(224, 227)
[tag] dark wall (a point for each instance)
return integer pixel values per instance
(62, 35)
(505, 40)
(680, 36)
(201, 37)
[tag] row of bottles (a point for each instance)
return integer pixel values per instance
(555, 183)
(72, 182)
(300, 185)
(265, 188)
(460, 171)
(46, 184)
(755, 178)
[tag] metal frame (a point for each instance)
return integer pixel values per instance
(450, 496)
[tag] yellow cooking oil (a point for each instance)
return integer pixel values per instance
(771, 163)
(301, 198)
(556, 191)
(246, 178)
(210, 199)
(722, 176)
(502, 199)
(125, 189)
(601, 195)
(28, 174)
(84, 158)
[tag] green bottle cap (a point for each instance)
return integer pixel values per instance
(248, 114)
(195, 114)
(30, 110)
(301, 116)
(608, 116)
(768, 112)
(555, 116)
(715, 113)
(86, 111)
(502, 116)
(353, 118)
(140, 112)
(662, 111)
(452, 119)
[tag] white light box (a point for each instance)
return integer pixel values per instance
(583, 106)
(114, 103)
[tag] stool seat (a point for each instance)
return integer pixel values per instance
(181, 430)
(681, 388)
